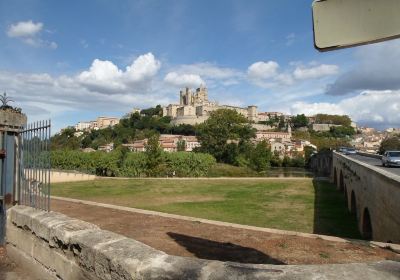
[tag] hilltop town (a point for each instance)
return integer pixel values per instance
(287, 135)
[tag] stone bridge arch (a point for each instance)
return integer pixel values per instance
(353, 203)
(373, 196)
(366, 225)
(341, 181)
(335, 176)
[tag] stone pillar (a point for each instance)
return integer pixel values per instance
(11, 124)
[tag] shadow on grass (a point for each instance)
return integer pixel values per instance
(214, 250)
(331, 216)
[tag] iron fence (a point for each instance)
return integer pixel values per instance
(35, 165)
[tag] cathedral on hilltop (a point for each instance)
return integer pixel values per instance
(194, 107)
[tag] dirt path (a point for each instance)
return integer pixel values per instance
(195, 239)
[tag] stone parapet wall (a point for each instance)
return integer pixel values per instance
(369, 189)
(72, 249)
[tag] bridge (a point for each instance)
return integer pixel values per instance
(372, 192)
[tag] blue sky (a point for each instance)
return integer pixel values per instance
(75, 60)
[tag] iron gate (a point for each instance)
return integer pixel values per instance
(35, 166)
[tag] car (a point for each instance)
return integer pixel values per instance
(391, 158)
(347, 150)
(350, 151)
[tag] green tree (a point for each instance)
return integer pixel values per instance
(261, 157)
(181, 145)
(308, 151)
(222, 134)
(154, 159)
(156, 111)
(390, 143)
(333, 119)
(275, 160)
(300, 121)
(66, 140)
(282, 122)
(342, 131)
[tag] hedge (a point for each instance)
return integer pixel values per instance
(128, 164)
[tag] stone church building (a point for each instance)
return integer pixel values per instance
(194, 107)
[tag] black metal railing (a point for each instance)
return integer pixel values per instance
(35, 165)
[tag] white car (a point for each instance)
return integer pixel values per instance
(391, 158)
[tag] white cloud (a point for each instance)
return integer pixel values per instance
(210, 70)
(267, 75)
(24, 29)
(263, 70)
(210, 73)
(105, 77)
(184, 80)
(28, 32)
(376, 108)
(143, 68)
(315, 72)
(310, 109)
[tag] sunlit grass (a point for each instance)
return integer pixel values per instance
(296, 204)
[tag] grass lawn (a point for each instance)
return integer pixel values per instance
(296, 204)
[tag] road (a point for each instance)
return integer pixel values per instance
(376, 162)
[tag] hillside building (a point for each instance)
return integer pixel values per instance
(194, 108)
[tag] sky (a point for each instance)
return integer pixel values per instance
(72, 61)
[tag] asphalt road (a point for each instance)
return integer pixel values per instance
(376, 162)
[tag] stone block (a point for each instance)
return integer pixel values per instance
(61, 234)
(87, 244)
(44, 223)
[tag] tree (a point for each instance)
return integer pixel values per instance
(300, 121)
(390, 143)
(342, 131)
(65, 140)
(181, 145)
(308, 152)
(282, 122)
(156, 111)
(154, 158)
(261, 157)
(333, 119)
(224, 130)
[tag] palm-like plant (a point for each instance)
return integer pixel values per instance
(5, 100)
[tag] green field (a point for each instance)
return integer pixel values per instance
(291, 204)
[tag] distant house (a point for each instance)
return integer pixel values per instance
(106, 148)
(268, 135)
(168, 142)
(277, 147)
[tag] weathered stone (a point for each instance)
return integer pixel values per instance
(62, 233)
(373, 194)
(99, 254)
(87, 244)
(43, 224)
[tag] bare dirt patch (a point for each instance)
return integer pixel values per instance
(158, 200)
(195, 239)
